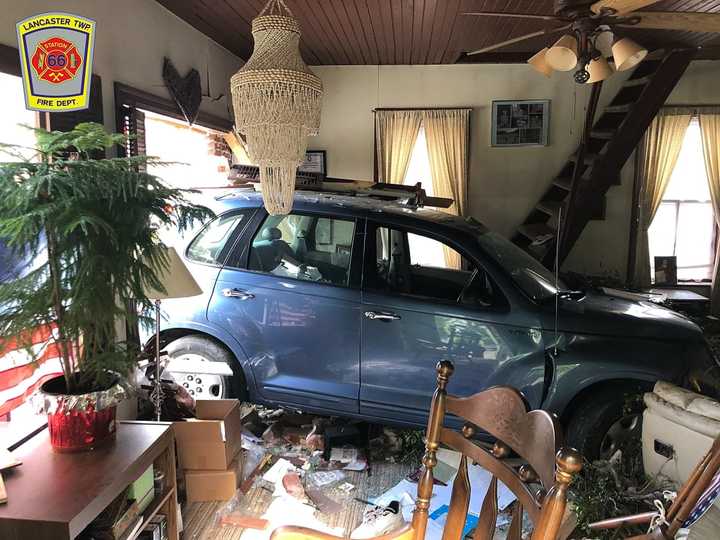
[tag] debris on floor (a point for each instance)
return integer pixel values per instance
(312, 471)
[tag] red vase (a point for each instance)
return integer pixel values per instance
(74, 421)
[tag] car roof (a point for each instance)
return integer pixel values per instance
(313, 200)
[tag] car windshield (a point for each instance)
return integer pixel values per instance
(527, 272)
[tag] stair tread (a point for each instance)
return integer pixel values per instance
(602, 133)
(618, 108)
(588, 158)
(640, 81)
(550, 207)
(536, 231)
(563, 182)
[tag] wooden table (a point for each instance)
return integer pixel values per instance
(55, 496)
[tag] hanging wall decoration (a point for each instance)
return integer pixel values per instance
(277, 101)
(185, 91)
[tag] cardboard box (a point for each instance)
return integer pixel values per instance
(213, 439)
(201, 486)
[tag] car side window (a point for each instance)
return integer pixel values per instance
(416, 265)
(208, 245)
(305, 247)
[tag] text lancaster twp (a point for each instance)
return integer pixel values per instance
(54, 21)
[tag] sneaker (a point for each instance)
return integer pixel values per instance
(379, 520)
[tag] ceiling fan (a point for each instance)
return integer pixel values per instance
(592, 37)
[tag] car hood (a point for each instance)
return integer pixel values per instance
(610, 315)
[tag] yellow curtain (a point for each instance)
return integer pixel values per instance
(446, 132)
(660, 149)
(396, 132)
(710, 132)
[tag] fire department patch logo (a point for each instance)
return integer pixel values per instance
(56, 60)
(56, 57)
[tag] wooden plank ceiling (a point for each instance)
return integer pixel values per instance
(406, 31)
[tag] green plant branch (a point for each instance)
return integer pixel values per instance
(88, 221)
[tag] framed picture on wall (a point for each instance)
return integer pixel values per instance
(520, 123)
(315, 162)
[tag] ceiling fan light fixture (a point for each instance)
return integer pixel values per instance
(627, 54)
(539, 63)
(563, 56)
(599, 70)
(604, 40)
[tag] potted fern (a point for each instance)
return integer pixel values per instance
(87, 224)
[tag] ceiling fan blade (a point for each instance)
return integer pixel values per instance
(520, 38)
(621, 7)
(511, 15)
(689, 22)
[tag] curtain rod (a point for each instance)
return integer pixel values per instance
(694, 107)
(422, 109)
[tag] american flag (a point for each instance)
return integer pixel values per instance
(23, 368)
(705, 501)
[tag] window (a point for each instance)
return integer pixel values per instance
(191, 149)
(15, 116)
(419, 166)
(684, 226)
(20, 374)
(415, 265)
(209, 244)
(304, 247)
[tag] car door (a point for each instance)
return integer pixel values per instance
(204, 256)
(290, 296)
(425, 300)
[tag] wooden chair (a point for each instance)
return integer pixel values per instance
(687, 497)
(502, 412)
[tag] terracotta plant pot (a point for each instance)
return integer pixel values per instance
(80, 422)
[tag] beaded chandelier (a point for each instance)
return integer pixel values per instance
(277, 102)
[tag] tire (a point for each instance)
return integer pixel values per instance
(605, 421)
(202, 386)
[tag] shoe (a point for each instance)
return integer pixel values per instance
(379, 520)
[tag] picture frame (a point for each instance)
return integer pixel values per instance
(666, 270)
(520, 123)
(315, 162)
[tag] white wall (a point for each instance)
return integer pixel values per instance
(700, 85)
(504, 183)
(131, 39)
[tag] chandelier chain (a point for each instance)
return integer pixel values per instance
(276, 7)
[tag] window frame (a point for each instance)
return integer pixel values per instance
(235, 234)
(240, 253)
(677, 203)
(370, 269)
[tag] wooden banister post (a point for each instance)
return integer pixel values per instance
(435, 423)
(569, 463)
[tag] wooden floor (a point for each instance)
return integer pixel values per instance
(200, 522)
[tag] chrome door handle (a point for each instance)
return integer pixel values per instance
(382, 316)
(238, 293)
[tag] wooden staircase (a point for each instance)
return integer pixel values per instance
(580, 191)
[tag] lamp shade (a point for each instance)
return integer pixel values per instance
(599, 70)
(539, 64)
(175, 278)
(563, 55)
(627, 54)
(604, 40)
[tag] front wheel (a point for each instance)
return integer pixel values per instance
(189, 353)
(608, 420)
